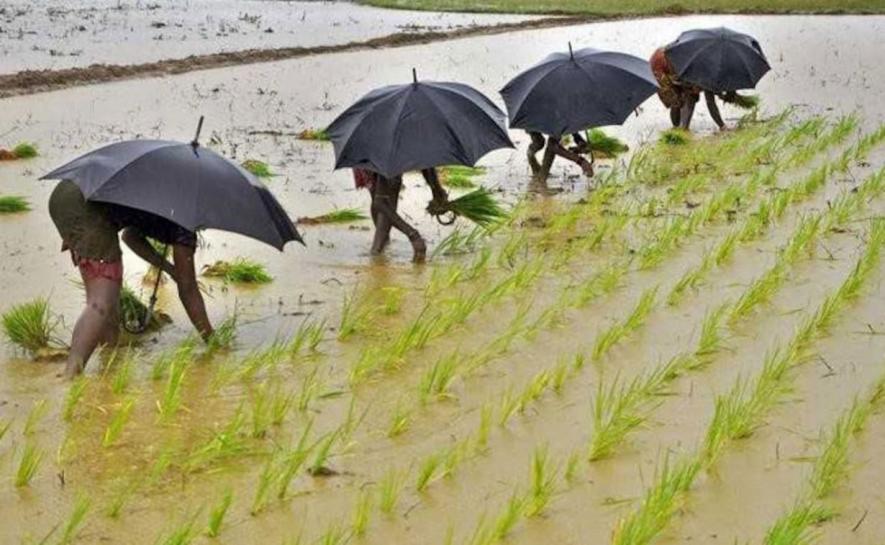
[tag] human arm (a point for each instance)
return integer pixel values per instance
(139, 244)
(189, 291)
(439, 194)
(714, 109)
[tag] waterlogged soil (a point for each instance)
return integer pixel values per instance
(52, 35)
(821, 66)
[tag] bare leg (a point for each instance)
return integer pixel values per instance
(713, 109)
(674, 116)
(687, 112)
(386, 202)
(382, 225)
(96, 324)
(536, 145)
(558, 149)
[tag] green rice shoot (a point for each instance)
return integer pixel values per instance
(603, 145)
(675, 137)
(477, 206)
(459, 176)
(31, 326)
(258, 168)
(239, 271)
(13, 204)
(25, 150)
(342, 215)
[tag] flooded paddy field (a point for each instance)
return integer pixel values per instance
(670, 356)
(53, 35)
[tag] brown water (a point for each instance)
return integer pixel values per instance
(820, 64)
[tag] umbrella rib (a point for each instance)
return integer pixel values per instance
(455, 137)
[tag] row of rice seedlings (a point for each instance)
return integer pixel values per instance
(71, 527)
(119, 419)
(837, 133)
(239, 271)
(141, 480)
(357, 314)
(831, 468)
(183, 534)
(633, 321)
(31, 326)
(13, 204)
(182, 352)
(75, 393)
(738, 413)
(171, 401)
(307, 337)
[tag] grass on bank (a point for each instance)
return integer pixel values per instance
(616, 8)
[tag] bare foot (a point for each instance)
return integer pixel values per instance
(419, 248)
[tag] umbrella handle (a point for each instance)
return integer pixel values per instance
(196, 140)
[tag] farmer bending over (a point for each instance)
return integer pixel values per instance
(681, 98)
(554, 147)
(385, 199)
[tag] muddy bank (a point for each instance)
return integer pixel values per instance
(34, 81)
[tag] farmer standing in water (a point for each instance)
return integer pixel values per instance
(385, 199)
(681, 97)
(89, 231)
(553, 148)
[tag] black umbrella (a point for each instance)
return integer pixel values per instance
(718, 59)
(185, 183)
(419, 125)
(569, 92)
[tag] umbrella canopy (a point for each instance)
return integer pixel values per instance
(718, 59)
(569, 92)
(189, 185)
(399, 128)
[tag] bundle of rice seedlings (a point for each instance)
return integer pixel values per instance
(134, 311)
(675, 137)
(604, 145)
(746, 102)
(31, 326)
(459, 176)
(343, 215)
(478, 206)
(238, 271)
(25, 150)
(258, 168)
(314, 134)
(11, 204)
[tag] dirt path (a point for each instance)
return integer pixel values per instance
(35, 81)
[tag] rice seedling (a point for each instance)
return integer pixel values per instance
(31, 326)
(13, 204)
(604, 145)
(457, 242)
(269, 475)
(675, 137)
(178, 355)
(509, 516)
(73, 397)
(507, 406)
(74, 523)
(533, 390)
(239, 271)
(308, 336)
(258, 168)
(225, 334)
(390, 488)
(361, 512)
(334, 535)
(477, 206)
(120, 497)
(118, 421)
(543, 477)
(483, 429)
(356, 315)
(293, 460)
(399, 421)
(342, 215)
(323, 452)
(660, 503)
(453, 457)
(310, 389)
(619, 330)
(4, 428)
(436, 380)
(28, 465)
(572, 464)
(797, 526)
(123, 370)
(35, 415)
(218, 512)
(25, 150)
(314, 134)
(559, 375)
(710, 339)
(427, 470)
(183, 534)
(459, 177)
(168, 406)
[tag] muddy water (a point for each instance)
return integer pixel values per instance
(817, 74)
(49, 34)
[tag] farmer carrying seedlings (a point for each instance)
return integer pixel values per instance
(715, 61)
(385, 199)
(553, 148)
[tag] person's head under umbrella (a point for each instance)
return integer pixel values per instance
(89, 231)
